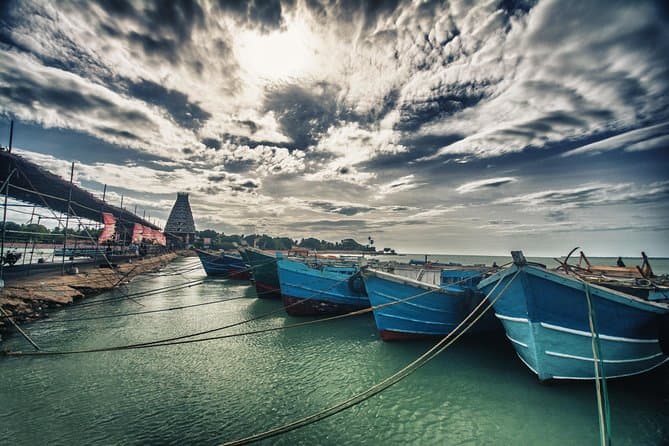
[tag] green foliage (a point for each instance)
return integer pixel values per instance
(264, 241)
(37, 233)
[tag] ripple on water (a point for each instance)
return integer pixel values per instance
(477, 392)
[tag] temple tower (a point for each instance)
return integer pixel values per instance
(180, 227)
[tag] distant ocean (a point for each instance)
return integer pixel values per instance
(660, 265)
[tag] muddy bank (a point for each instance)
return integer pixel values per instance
(30, 298)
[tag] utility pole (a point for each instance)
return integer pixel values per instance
(67, 218)
(120, 217)
(11, 135)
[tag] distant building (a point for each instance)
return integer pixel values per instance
(180, 227)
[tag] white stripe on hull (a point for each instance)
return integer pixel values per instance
(528, 366)
(606, 361)
(418, 321)
(515, 341)
(616, 376)
(601, 336)
(513, 319)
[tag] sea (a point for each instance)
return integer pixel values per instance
(477, 392)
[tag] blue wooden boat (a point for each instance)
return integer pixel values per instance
(320, 288)
(224, 265)
(545, 314)
(264, 271)
(445, 298)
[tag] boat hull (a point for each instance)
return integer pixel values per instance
(224, 266)
(265, 275)
(435, 312)
(311, 291)
(545, 316)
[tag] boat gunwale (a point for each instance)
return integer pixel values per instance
(408, 281)
(574, 282)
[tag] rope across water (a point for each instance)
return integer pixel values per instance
(185, 339)
(391, 380)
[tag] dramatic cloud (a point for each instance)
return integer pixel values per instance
(418, 120)
(592, 195)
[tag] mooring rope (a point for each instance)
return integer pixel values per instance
(23, 333)
(135, 313)
(603, 407)
(185, 338)
(385, 383)
(151, 292)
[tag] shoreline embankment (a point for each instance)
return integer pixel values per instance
(30, 298)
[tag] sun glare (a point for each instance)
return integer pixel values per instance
(276, 55)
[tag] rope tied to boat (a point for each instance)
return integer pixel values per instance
(184, 339)
(603, 406)
(19, 329)
(389, 381)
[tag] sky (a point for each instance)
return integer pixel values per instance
(465, 127)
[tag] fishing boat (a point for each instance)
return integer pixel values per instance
(417, 302)
(265, 275)
(320, 287)
(224, 265)
(562, 323)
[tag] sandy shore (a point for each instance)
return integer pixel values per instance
(31, 298)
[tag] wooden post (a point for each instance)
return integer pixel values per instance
(67, 218)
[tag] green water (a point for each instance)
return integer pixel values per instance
(476, 393)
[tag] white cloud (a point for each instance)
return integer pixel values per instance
(645, 138)
(485, 184)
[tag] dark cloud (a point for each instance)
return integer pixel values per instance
(304, 112)
(217, 177)
(250, 184)
(175, 19)
(212, 143)
(162, 29)
(346, 11)
(557, 215)
(495, 184)
(115, 132)
(517, 7)
(252, 126)
(66, 96)
(164, 47)
(241, 140)
(234, 165)
(417, 147)
(445, 101)
(595, 195)
(68, 56)
(176, 103)
(320, 225)
(339, 209)
(265, 15)
(119, 7)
